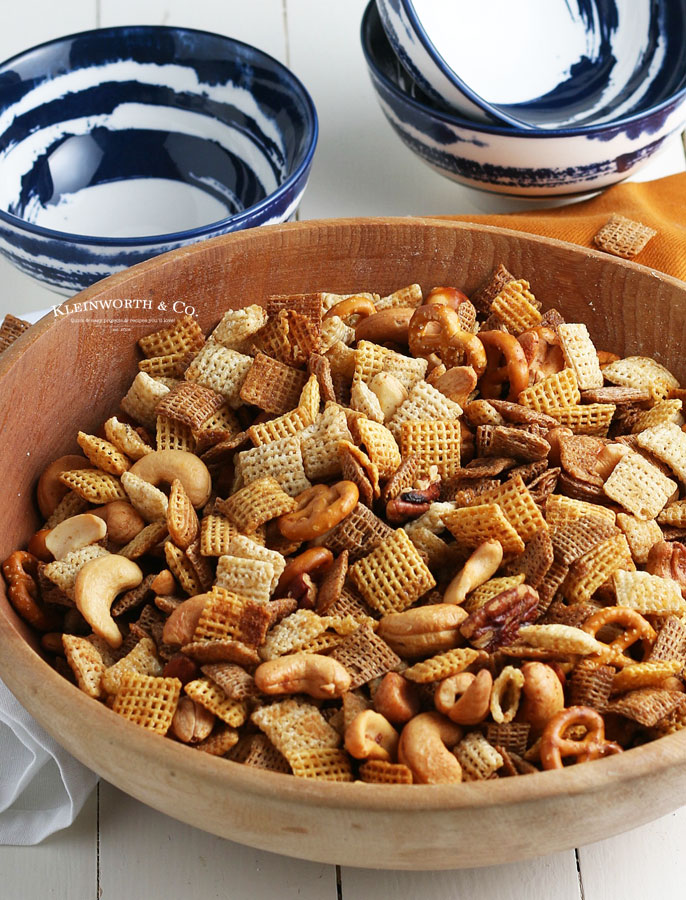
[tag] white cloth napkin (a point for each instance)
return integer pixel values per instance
(42, 787)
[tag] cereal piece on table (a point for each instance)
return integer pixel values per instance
(257, 750)
(237, 325)
(228, 615)
(147, 700)
(646, 705)
(381, 446)
(516, 307)
(380, 771)
(623, 237)
(518, 506)
(141, 399)
(639, 486)
(589, 418)
(236, 683)
(671, 641)
(576, 537)
(141, 659)
(648, 674)
(93, 485)
(171, 434)
(213, 698)
(441, 666)
(145, 498)
(182, 569)
(63, 572)
(248, 548)
(282, 459)
(674, 514)
(648, 594)
(513, 736)
(594, 568)
(272, 385)
(293, 725)
(182, 336)
(126, 439)
(190, 403)
(250, 578)
(409, 297)
(471, 526)
(86, 663)
(580, 355)
(393, 576)
(146, 540)
(668, 444)
(664, 412)
(10, 330)
(102, 454)
(436, 443)
(365, 656)
(222, 370)
(643, 373)
(423, 402)
(257, 503)
(535, 561)
(559, 510)
(319, 444)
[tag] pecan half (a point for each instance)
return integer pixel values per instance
(412, 503)
(497, 622)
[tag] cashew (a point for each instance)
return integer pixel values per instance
(163, 466)
(483, 563)
(371, 736)
(423, 630)
(191, 722)
(164, 583)
(303, 673)
(97, 584)
(396, 698)
(390, 392)
(543, 695)
(50, 489)
(75, 533)
(181, 624)
(465, 697)
(122, 520)
(424, 746)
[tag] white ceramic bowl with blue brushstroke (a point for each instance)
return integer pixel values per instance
(122, 143)
(541, 63)
(508, 160)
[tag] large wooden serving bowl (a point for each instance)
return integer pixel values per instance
(69, 372)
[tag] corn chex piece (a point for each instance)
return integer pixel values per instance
(435, 443)
(247, 548)
(595, 567)
(311, 395)
(147, 700)
(250, 578)
(319, 443)
(213, 698)
(471, 526)
(293, 632)
(381, 446)
(641, 535)
(519, 507)
(623, 237)
(380, 771)
(410, 297)
(282, 459)
(63, 572)
(393, 576)
(126, 439)
(226, 615)
(515, 306)
(647, 706)
(668, 444)
(141, 659)
(479, 760)
(287, 425)
(560, 509)
(182, 336)
(365, 656)
(85, 662)
(237, 325)
(490, 589)
(216, 532)
(563, 639)
(580, 355)
(257, 503)
(643, 373)
(327, 764)
(93, 485)
(588, 418)
(441, 666)
(171, 365)
(644, 675)
(674, 514)
(639, 486)
(173, 435)
(10, 330)
(220, 369)
(102, 454)
(146, 540)
(141, 399)
(424, 402)
(145, 498)
(648, 594)
(272, 385)
(190, 403)
(181, 517)
(664, 412)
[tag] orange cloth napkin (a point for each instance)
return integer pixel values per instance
(660, 204)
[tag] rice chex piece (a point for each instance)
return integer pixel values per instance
(227, 615)
(641, 535)
(142, 659)
(576, 537)
(94, 486)
(212, 697)
(145, 541)
(409, 297)
(319, 443)
(393, 576)
(147, 700)
(126, 439)
(190, 403)
(674, 514)
(237, 325)
(516, 307)
(380, 771)
(594, 568)
(643, 373)
(248, 548)
(639, 486)
(257, 503)
(436, 443)
(646, 705)
(648, 594)
(478, 758)
(381, 446)
(471, 526)
(667, 443)
(623, 237)
(102, 454)
(272, 385)
(141, 399)
(423, 402)
(257, 750)
(590, 684)
(588, 418)
(294, 725)
(282, 459)
(293, 632)
(519, 507)
(441, 666)
(536, 559)
(365, 655)
(560, 509)
(63, 572)
(580, 355)
(236, 683)
(648, 674)
(250, 578)
(145, 498)
(222, 370)
(133, 598)
(671, 641)
(10, 330)
(182, 336)
(85, 662)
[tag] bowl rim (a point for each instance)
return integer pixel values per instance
(45, 684)
(496, 110)
(532, 132)
(312, 129)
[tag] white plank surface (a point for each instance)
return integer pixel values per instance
(360, 169)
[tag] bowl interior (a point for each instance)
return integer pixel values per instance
(145, 131)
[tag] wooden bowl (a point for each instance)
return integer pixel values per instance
(69, 372)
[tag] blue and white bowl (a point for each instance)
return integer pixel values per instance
(508, 160)
(542, 63)
(122, 143)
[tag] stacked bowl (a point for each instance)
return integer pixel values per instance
(535, 98)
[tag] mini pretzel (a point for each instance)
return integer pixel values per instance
(319, 509)
(21, 571)
(555, 746)
(352, 306)
(499, 344)
(306, 563)
(436, 329)
(636, 628)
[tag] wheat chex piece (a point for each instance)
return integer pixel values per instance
(513, 736)
(403, 478)
(536, 560)
(272, 385)
(516, 307)
(320, 366)
(10, 330)
(221, 370)
(63, 572)
(102, 454)
(668, 444)
(648, 594)
(590, 684)
(360, 532)
(393, 576)
(670, 643)
(147, 700)
(237, 325)
(145, 498)
(515, 443)
(126, 439)
(145, 541)
(549, 586)
(643, 373)
(86, 663)
(646, 705)
(580, 355)
(220, 426)
(486, 293)
(516, 502)
(560, 509)
(203, 569)
(380, 771)
(436, 443)
(282, 459)
(190, 403)
(182, 569)
(594, 568)
(250, 578)
(220, 742)
(576, 537)
(227, 615)
(471, 526)
(94, 486)
(133, 598)
(479, 760)
(257, 750)
(441, 666)
(623, 237)
(641, 535)
(236, 683)
(423, 402)
(141, 399)
(142, 659)
(639, 486)
(182, 336)
(293, 632)
(226, 650)
(212, 697)
(257, 503)
(648, 674)
(365, 656)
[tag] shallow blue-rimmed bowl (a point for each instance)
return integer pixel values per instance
(122, 143)
(506, 160)
(542, 63)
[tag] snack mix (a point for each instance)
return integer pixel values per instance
(408, 539)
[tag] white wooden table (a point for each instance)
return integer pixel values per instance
(119, 848)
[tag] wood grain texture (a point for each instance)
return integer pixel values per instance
(363, 825)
